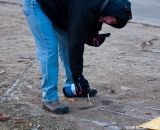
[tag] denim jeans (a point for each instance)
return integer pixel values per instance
(50, 41)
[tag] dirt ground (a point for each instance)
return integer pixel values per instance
(125, 70)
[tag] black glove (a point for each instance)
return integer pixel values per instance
(81, 85)
(97, 40)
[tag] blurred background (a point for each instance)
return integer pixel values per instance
(144, 11)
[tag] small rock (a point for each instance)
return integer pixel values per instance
(124, 88)
(29, 86)
(148, 113)
(4, 117)
(38, 126)
(1, 72)
(16, 98)
(154, 97)
(112, 91)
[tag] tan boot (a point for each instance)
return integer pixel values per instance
(56, 107)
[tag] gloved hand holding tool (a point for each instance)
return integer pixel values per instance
(97, 40)
(80, 88)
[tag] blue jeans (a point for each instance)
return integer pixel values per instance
(50, 41)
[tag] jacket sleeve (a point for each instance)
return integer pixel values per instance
(81, 22)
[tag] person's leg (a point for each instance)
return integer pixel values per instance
(64, 56)
(69, 90)
(63, 52)
(46, 50)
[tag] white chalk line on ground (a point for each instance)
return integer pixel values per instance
(6, 94)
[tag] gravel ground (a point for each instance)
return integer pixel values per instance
(125, 70)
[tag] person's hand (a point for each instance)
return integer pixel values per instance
(97, 40)
(81, 85)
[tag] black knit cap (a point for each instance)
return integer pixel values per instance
(121, 9)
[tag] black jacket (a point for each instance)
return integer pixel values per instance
(80, 19)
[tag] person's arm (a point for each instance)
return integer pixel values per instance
(97, 39)
(81, 22)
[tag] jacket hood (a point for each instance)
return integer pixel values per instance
(120, 9)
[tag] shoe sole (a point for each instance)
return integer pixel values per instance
(66, 110)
